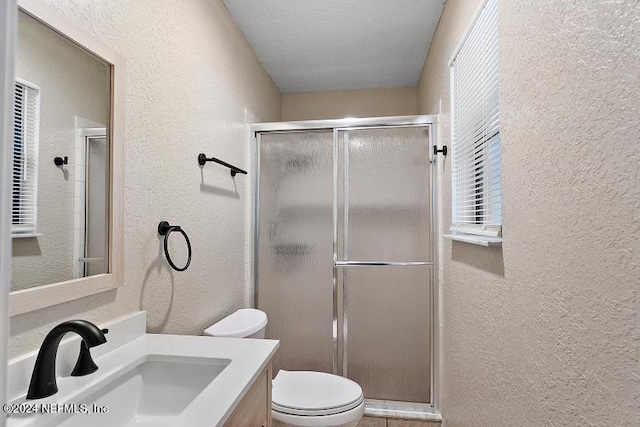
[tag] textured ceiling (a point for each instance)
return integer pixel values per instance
(309, 45)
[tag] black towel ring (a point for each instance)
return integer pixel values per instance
(165, 229)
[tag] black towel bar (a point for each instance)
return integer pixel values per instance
(202, 159)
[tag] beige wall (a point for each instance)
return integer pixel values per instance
(193, 82)
(546, 331)
(72, 82)
(338, 104)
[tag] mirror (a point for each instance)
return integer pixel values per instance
(59, 212)
(67, 163)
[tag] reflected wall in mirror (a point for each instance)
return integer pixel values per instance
(60, 213)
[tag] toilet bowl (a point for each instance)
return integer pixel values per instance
(299, 398)
(307, 398)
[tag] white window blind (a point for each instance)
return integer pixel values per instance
(25, 158)
(476, 186)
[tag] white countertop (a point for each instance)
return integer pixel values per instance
(212, 407)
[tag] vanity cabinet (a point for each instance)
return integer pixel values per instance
(254, 410)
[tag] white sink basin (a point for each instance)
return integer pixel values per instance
(152, 393)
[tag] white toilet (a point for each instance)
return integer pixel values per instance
(299, 398)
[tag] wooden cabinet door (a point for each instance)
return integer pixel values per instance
(255, 408)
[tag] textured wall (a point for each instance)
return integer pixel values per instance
(338, 104)
(546, 331)
(192, 81)
(72, 83)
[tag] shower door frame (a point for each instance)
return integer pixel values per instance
(336, 126)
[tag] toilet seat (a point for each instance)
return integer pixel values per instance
(309, 393)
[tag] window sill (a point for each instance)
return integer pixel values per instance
(486, 241)
(25, 235)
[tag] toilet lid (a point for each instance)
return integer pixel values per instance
(241, 324)
(314, 393)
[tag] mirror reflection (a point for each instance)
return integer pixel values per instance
(60, 195)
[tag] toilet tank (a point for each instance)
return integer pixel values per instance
(244, 323)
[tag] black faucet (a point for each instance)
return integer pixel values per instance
(43, 379)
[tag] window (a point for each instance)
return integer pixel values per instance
(26, 125)
(476, 186)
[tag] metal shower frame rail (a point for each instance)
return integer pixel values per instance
(336, 126)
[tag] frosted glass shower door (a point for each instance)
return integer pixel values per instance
(344, 254)
(295, 247)
(385, 260)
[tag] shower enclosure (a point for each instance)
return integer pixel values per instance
(344, 250)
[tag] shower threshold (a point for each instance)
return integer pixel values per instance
(401, 410)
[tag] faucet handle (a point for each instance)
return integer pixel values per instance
(85, 364)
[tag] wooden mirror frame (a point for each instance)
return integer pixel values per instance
(27, 300)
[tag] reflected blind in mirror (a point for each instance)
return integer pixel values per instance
(476, 184)
(25, 158)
